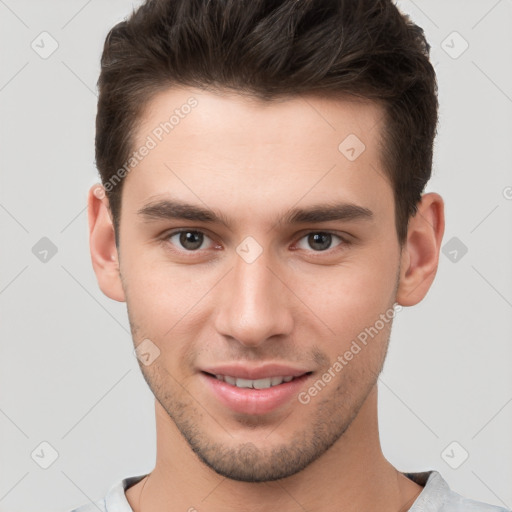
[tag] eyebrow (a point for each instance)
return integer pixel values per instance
(171, 209)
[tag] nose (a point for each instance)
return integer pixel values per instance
(255, 303)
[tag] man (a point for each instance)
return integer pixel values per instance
(261, 213)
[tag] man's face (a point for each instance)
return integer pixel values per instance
(262, 289)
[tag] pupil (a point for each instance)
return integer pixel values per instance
(324, 239)
(191, 239)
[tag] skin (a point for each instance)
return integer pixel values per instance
(295, 304)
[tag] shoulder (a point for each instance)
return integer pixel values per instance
(438, 497)
(115, 499)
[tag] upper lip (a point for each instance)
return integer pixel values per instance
(241, 371)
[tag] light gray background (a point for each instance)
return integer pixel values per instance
(68, 375)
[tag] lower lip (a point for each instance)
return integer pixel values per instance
(254, 401)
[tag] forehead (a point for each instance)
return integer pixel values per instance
(297, 117)
(252, 155)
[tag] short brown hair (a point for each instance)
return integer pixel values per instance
(269, 49)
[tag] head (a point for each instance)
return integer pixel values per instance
(264, 164)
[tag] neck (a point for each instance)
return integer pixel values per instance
(352, 475)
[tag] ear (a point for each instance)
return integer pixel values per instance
(420, 253)
(105, 260)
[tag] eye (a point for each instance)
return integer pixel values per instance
(189, 240)
(192, 240)
(320, 240)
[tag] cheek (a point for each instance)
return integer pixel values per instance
(353, 296)
(154, 282)
(165, 302)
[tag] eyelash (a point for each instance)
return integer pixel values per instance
(343, 240)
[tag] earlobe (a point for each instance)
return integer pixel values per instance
(102, 244)
(420, 255)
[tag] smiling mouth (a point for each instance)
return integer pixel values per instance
(265, 383)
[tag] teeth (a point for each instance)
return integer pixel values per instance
(254, 383)
(262, 383)
(276, 380)
(245, 383)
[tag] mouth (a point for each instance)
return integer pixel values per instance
(254, 396)
(268, 382)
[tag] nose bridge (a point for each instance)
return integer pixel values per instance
(255, 306)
